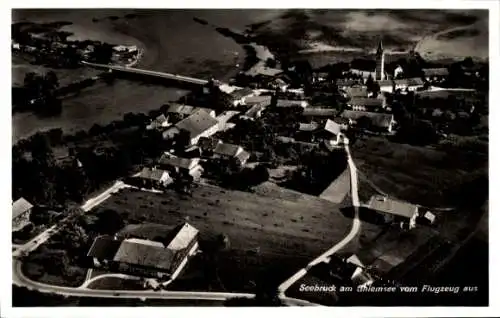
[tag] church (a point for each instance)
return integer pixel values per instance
(381, 59)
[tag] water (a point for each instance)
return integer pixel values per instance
(173, 42)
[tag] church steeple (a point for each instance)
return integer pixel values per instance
(380, 63)
(380, 48)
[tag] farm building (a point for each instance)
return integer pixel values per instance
(153, 177)
(199, 124)
(291, 103)
(183, 111)
(21, 210)
(356, 91)
(238, 96)
(399, 210)
(182, 166)
(144, 257)
(231, 152)
(366, 104)
(377, 121)
(390, 86)
(435, 74)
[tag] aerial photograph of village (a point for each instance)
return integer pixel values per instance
(250, 157)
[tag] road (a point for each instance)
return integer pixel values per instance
(356, 225)
(19, 279)
(87, 206)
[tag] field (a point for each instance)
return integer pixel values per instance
(277, 227)
(421, 175)
(117, 283)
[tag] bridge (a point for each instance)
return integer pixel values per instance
(138, 71)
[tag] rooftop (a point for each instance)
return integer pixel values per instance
(258, 99)
(392, 206)
(332, 127)
(240, 93)
(320, 112)
(229, 150)
(184, 163)
(442, 71)
(197, 123)
(377, 119)
(357, 91)
(20, 206)
(290, 103)
(308, 126)
(144, 253)
(183, 237)
(374, 102)
(152, 174)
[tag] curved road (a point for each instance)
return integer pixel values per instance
(356, 225)
(19, 279)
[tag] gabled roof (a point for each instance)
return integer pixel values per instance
(377, 119)
(104, 247)
(346, 82)
(357, 91)
(409, 81)
(360, 101)
(152, 174)
(392, 206)
(308, 126)
(442, 71)
(20, 206)
(290, 103)
(240, 93)
(319, 112)
(145, 253)
(243, 156)
(186, 109)
(183, 237)
(184, 163)
(265, 99)
(332, 127)
(160, 119)
(197, 123)
(229, 150)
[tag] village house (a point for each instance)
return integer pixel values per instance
(378, 121)
(224, 119)
(207, 145)
(257, 105)
(366, 104)
(355, 91)
(21, 210)
(410, 84)
(231, 152)
(238, 96)
(182, 111)
(291, 103)
(399, 211)
(343, 84)
(158, 123)
(153, 177)
(335, 130)
(319, 112)
(181, 166)
(199, 124)
(435, 74)
(145, 257)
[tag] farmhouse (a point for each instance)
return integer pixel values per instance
(319, 112)
(153, 177)
(145, 257)
(345, 83)
(435, 74)
(21, 210)
(410, 84)
(181, 166)
(291, 103)
(335, 130)
(199, 124)
(399, 210)
(377, 120)
(238, 96)
(366, 104)
(356, 91)
(184, 111)
(231, 152)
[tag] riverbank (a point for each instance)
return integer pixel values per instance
(169, 40)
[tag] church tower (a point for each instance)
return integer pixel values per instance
(379, 70)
